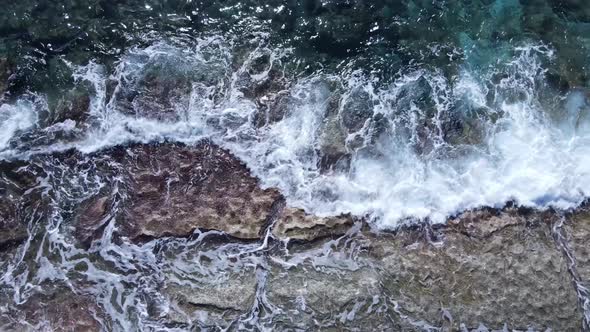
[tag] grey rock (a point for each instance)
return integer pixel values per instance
(6, 71)
(487, 269)
(313, 298)
(510, 272)
(357, 109)
(235, 292)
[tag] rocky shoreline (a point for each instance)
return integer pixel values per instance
(256, 261)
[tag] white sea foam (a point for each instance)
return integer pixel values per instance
(522, 155)
(17, 117)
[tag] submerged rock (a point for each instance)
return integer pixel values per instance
(5, 73)
(57, 310)
(12, 230)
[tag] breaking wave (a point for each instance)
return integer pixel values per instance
(422, 146)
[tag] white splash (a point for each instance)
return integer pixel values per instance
(17, 117)
(522, 155)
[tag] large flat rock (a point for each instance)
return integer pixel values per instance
(493, 270)
(173, 189)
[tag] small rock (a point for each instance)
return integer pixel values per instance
(333, 144)
(75, 106)
(6, 70)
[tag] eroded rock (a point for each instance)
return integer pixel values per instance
(577, 234)
(496, 270)
(513, 275)
(329, 298)
(55, 310)
(234, 294)
(483, 223)
(174, 189)
(295, 224)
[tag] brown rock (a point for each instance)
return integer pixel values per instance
(12, 230)
(297, 225)
(91, 217)
(14, 204)
(175, 189)
(57, 310)
(485, 222)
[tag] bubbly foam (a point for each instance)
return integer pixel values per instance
(18, 117)
(408, 171)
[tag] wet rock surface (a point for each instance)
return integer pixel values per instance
(172, 189)
(17, 203)
(213, 303)
(12, 230)
(175, 190)
(576, 231)
(209, 249)
(295, 224)
(6, 71)
(58, 309)
(495, 270)
(514, 277)
(391, 109)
